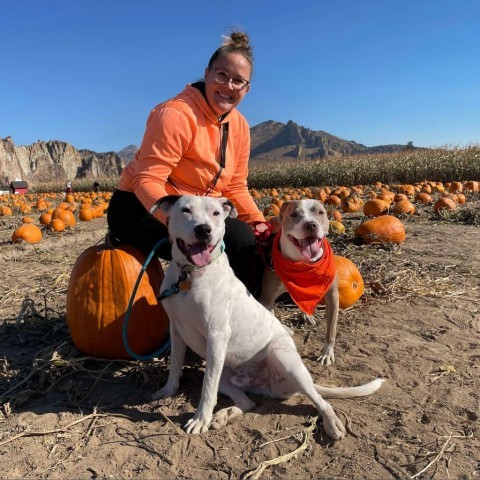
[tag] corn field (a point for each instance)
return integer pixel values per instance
(410, 166)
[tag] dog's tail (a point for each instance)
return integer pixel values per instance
(350, 392)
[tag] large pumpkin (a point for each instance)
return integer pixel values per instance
(351, 204)
(383, 229)
(375, 207)
(99, 290)
(27, 233)
(350, 282)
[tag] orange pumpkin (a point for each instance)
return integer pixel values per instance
(45, 218)
(334, 215)
(423, 197)
(57, 225)
(426, 188)
(408, 190)
(4, 211)
(472, 186)
(85, 214)
(350, 282)
(455, 187)
(375, 207)
(399, 196)
(383, 229)
(65, 215)
(99, 290)
(444, 203)
(28, 232)
(403, 207)
(351, 204)
(333, 200)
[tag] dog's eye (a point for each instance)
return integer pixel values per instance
(294, 215)
(216, 213)
(186, 210)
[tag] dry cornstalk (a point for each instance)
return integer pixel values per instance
(307, 435)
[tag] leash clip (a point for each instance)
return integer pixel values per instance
(175, 288)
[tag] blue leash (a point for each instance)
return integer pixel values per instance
(165, 347)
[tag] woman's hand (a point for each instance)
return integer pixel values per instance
(263, 230)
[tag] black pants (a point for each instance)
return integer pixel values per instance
(129, 222)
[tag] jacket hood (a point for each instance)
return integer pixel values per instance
(196, 91)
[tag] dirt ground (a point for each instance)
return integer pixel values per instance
(63, 415)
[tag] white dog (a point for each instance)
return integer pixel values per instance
(301, 242)
(245, 346)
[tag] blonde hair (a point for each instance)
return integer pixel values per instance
(236, 42)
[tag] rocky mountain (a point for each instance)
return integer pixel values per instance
(54, 161)
(276, 141)
(128, 153)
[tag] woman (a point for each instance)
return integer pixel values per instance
(196, 143)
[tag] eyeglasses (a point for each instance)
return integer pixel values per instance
(222, 77)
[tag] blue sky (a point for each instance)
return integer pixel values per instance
(88, 72)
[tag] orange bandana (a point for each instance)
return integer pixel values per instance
(307, 283)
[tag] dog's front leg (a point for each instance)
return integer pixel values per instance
(331, 311)
(272, 288)
(217, 344)
(178, 349)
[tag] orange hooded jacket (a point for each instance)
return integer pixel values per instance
(180, 154)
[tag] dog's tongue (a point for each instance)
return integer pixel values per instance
(200, 254)
(309, 247)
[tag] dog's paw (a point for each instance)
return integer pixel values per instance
(197, 425)
(333, 426)
(166, 391)
(223, 416)
(310, 319)
(328, 356)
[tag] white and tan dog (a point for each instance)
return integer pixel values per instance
(304, 225)
(245, 346)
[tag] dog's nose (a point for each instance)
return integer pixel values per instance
(310, 226)
(203, 231)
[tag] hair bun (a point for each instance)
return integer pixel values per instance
(237, 40)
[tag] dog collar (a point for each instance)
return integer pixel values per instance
(181, 283)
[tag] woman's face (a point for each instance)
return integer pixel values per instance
(222, 97)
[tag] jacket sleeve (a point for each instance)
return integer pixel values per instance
(237, 189)
(167, 136)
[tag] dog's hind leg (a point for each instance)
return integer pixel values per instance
(290, 376)
(242, 402)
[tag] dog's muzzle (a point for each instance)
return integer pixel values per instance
(308, 247)
(203, 232)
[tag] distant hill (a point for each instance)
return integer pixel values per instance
(276, 141)
(128, 153)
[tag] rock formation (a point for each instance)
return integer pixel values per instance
(54, 161)
(274, 141)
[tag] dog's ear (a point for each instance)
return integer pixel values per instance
(164, 203)
(228, 208)
(282, 209)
